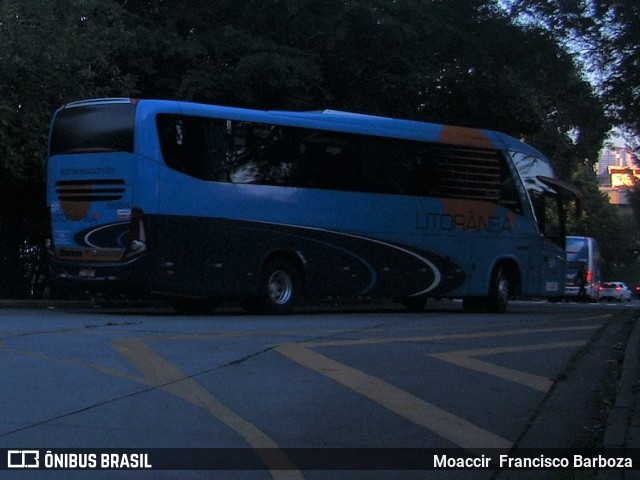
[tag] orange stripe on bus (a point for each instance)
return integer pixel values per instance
(469, 137)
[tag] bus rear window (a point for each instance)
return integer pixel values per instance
(577, 250)
(93, 128)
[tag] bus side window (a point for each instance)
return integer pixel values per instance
(509, 195)
(326, 161)
(170, 135)
(214, 152)
(384, 165)
(423, 178)
(194, 146)
(261, 154)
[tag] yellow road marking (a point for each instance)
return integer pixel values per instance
(163, 374)
(445, 424)
(334, 332)
(77, 363)
(444, 337)
(464, 358)
(160, 373)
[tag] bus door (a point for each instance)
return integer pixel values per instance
(549, 210)
(550, 215)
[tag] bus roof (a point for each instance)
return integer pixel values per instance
(335, 120)
(413, 130)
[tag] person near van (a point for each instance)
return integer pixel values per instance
(581, 281)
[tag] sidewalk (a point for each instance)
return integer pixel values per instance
(623, 424)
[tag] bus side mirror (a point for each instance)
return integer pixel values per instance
(565, 190)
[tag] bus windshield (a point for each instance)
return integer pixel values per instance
(93, 128)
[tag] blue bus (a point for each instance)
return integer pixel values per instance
(202, 203)
(583, 269)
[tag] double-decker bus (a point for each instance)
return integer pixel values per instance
(202, 203)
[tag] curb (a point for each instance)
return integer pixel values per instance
(617, 422)
(615, 435)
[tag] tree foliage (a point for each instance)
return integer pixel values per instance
(605, 34)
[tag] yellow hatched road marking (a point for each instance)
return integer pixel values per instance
(464, 358)
(445, 337)
(161, 373)
(445, 424)
(431, 417)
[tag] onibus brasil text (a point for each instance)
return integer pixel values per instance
(92, 460)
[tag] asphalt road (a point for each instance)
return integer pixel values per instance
(350, 377)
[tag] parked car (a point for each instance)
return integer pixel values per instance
(615, 291)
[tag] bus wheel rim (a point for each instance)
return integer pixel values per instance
(503, 291)
(280, 287)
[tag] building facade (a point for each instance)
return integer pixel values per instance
(618, 171)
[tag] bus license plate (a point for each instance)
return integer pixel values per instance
(87, 273)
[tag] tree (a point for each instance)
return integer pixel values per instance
(633, 196)
(622, 40)
(50, 54)
(215, 53)
(605, 34)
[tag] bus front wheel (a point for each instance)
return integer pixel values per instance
(280, 287)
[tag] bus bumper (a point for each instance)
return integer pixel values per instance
(121, 277)
(591, 293)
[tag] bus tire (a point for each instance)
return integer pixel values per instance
(499, 291)
(280, 287)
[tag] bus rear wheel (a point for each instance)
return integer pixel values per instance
(499, 292)
(280, 287)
